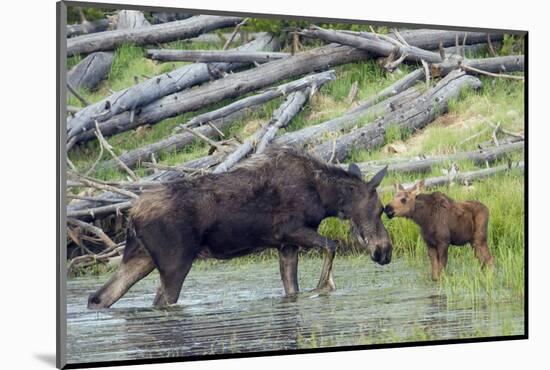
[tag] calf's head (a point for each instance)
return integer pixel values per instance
(403, 203)
(364, 210)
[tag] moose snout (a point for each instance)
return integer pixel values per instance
(388, 210)
(94, 301)
(382, 253)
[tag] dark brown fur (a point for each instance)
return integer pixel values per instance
(273, 200)
(443, 222)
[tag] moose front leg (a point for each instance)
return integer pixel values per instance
(288, 264)
(326, 282)
(309, 238)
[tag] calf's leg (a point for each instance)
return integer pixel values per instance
(434, 258)
(288, 265)
(481, 249)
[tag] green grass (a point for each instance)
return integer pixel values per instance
(499, 102)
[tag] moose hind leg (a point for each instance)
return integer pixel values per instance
(130, 271)
(288, 265)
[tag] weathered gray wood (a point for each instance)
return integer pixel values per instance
(463, 177)
(480, 157)
(431, 39)
(317, 79)
(87, 27)
(261, 138)
(411, 117)
(374, 45)
(231, 86)
(91, 70)
(220, 118)
(158, 33)
(150, 90)
(210, 56)
(131, 19)
(220, 38)
(366, 110)
(505, 64)
(96, 66)
(468, 49)
(175, 142)
(164, 17)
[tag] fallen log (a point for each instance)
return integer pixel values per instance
(175, 142)
(96, 66)
(87, 27)
(150, 90)
(411, 117)
(231, 86)
(505, 64)
(155, 34)
(91, 70)
(261, 138)
(431, 39)
(463, 177)
(165, 17)
(373, 45)
(220, 38)
(370, 108)
(317, 79)
(479, 157)
(218, 119)
(210, 56)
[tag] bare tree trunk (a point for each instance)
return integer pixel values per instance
(229, 87)
(414, 116)
(96, 66)
(480, 157)
(369, 109)
(87, 27)
(159, 33)
(132, 98)
(91, 70)
(373, 45)
(210, 56)
(281, 117)
(220, 118)
(463, 177)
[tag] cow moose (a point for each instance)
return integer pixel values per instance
(442, 222)
(276, 199)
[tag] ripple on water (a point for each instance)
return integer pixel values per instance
(232, 308)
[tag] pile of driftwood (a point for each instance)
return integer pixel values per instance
(257, 66)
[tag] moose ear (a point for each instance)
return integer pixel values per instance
(398, 187)
(354, 170)
(377, 179)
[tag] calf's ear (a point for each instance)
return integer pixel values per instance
(398, 187)
(377, 179)
(354, 170)
(420, 186)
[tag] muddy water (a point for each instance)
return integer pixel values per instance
(238, 307)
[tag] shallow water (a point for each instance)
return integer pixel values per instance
(239, 307)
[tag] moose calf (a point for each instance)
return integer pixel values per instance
(443, 222)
